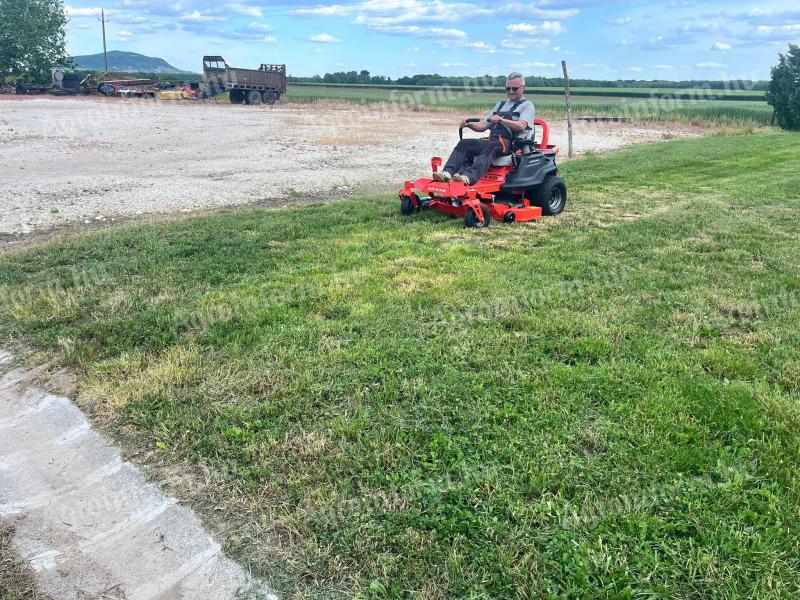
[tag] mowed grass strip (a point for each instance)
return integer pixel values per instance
(600, 404)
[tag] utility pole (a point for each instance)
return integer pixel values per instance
(103, 20)
(569, 107)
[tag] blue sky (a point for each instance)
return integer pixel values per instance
(680, 39)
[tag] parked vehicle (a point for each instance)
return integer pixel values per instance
(253, 86)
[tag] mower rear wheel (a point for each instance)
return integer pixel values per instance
(552, 196)
(406, 206)
(471, 219)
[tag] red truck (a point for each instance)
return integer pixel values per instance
(253, 86)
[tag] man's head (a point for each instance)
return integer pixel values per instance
(515, 86)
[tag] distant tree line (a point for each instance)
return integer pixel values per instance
(364, 77)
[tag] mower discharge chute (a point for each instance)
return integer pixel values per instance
(521, 186)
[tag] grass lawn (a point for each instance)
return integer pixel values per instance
(600, 404)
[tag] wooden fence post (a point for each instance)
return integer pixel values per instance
(571, 153)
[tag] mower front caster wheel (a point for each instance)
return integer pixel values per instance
(471, 219)
(406, 206)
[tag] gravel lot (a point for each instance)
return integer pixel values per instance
(94, 161)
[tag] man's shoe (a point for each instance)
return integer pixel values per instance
(443, 176)
(462, 178)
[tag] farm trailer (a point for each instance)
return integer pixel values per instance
(253, 86)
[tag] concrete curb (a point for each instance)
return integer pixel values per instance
(88, 522)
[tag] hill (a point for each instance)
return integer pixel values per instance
(126, 62)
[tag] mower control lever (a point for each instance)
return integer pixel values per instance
(470, 120)
(511, 135)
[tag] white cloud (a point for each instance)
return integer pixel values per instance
(481, 47)
(270, 39)
(197, 17)
(721, 46)
(456, 65)
(664, 67)
(522, 43)
(783, 32)
(635, 69)
(622, 21)
(710, 65)
(71, 11)
(429, 10)
(415, 30)
(244, 9)
(259, 27)
(334, 10)
(456, 33)
(546, 27)
(533, 65)
(324, 38)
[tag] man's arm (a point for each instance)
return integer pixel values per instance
(527, 114)
(479, 126)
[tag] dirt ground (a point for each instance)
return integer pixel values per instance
(91, 161)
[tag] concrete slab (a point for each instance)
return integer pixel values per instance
(88, 522)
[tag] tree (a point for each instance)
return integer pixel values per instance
(784, 89)
(32, 38)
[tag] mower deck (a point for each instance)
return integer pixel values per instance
(456, 198)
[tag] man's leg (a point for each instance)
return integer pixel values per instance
(490, 150)
(465, 150)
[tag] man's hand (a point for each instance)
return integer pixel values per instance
(495, 119)
(478, 127)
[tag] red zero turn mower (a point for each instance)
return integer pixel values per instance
(522, 186)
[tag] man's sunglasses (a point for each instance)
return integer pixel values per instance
(512, 89)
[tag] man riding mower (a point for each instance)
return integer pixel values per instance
(509, 176)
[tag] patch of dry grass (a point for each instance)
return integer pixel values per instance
(17, 579)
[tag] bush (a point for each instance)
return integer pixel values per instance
(784, 89)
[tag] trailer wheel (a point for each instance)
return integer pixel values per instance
(270, 97)
(236, 97)
(471, 220)
(253, 97)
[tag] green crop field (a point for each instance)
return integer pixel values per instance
(617, 92)
(603, 404)
(717, 112)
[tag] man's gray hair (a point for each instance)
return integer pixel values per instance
(515, 75)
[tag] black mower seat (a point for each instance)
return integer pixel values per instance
(526, 145)
(503, 161)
